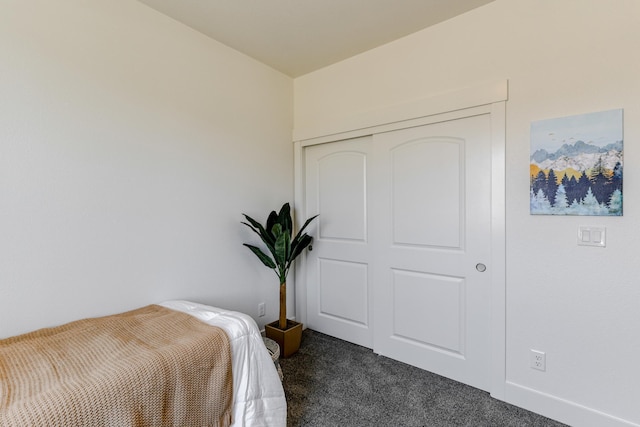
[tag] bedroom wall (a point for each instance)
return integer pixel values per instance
(129, 147)
(577, 304)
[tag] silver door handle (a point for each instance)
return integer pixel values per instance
(481, 267)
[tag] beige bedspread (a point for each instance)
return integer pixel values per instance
(148, 367)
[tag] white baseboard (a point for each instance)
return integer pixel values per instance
(559, 409)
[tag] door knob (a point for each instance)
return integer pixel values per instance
(481, 267)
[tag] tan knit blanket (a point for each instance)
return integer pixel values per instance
(148, 367)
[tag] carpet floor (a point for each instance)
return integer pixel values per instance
(330, 382)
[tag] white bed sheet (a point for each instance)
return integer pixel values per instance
(258, 396)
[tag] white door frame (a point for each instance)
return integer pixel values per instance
(485, 99)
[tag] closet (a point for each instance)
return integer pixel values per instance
(406, 255)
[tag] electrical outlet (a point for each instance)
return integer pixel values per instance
(538, 360)
(261, 309)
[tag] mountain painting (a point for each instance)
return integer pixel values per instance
(576, 165)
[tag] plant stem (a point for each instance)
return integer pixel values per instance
(283, 306)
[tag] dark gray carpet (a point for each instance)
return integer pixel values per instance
(330, 382)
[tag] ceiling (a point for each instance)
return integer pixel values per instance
(300, 36)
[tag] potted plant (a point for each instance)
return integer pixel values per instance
(283, 249)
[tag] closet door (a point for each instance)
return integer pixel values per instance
(338, 268)
(432, 212)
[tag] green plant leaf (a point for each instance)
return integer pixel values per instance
(283, 247)
(255, 230)
(284, 218)
(266, 259)
(299, 234)
(298, 246)
(280, 255)
(267, 240)
(272, 219)
(276, 231)
(266, 237)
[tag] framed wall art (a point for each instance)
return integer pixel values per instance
(576, 165)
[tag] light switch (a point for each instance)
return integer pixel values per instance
(592, 236)
(586, 236)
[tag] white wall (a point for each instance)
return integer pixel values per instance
(578, 304)
(129, 147)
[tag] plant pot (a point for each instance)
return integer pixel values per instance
(288, 339)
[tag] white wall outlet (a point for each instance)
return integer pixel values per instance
(538, 360)
(261, 309)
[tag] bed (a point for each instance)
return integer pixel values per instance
(174, 363)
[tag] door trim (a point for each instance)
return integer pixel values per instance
(361, 124)
(498, 250)
(488, 99)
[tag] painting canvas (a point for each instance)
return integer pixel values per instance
(576, 165)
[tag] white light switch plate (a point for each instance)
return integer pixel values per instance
(592, 236)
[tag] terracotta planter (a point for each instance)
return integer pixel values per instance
(288, 339)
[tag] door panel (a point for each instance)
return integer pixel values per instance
(439, 299)
(338, 279)
(341, 194)
(343, 290)
(434, 163)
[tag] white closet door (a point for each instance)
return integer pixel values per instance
(338, 267)
(432, 223)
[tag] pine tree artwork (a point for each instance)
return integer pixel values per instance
(576, 165)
